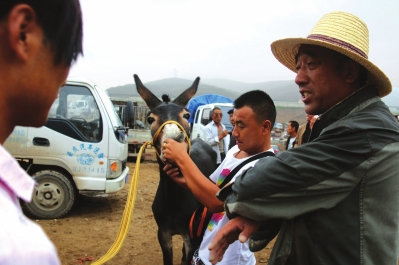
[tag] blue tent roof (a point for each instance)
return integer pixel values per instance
(194, 103)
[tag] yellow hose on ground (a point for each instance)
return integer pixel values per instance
(127, 213)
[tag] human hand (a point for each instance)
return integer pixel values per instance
(174, 173)
(240, 228)
(174, 151)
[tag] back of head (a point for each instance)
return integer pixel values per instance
(61, 22)
(260, 103)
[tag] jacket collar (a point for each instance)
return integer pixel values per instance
(342, 108)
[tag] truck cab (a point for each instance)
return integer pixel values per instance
(81, 149)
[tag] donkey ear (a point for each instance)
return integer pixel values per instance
(149, 98)
(184, 97)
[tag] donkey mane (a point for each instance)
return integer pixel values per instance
(165, 98)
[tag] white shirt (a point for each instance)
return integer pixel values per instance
(237, 253)
(212, 138)
(22, 242)
(291, 142)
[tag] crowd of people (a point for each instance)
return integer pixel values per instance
(331, 197)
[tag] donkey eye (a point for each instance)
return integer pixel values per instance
(150, 120)
(186, 116)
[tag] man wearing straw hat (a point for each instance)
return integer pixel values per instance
(337, 196)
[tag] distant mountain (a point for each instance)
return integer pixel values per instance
(171, 86)
(278, 90)
(283, 90)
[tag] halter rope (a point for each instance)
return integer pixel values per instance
(131, 197)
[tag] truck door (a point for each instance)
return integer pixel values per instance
(202, 118)
(16, 142)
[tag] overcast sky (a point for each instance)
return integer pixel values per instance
(228, 39)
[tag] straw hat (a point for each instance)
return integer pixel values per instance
(341, 32)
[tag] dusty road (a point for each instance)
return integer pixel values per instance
(92, 226)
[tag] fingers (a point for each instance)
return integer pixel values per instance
(238, 228)
(250, 227)
(226, 235)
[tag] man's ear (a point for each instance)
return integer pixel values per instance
(267, 126)
(24, 33)
(351, 71)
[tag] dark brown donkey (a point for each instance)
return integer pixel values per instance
(173, 205)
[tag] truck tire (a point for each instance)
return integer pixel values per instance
(53, 197)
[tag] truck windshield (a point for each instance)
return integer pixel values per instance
(115, 120)
(75, 113)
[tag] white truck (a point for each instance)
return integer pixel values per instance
(82, 151)
(203, 116)
(134, 117)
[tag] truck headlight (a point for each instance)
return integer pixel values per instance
(114, 169)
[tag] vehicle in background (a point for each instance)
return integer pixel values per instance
(134, 117)
(200, 108)
(78, 107)
(72, 153)
(203, 117)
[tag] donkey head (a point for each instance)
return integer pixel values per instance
(166, 110)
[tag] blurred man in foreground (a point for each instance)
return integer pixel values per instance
(39, 40)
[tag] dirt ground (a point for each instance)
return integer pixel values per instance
(91, 227)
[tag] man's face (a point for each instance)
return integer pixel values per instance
(320, 82)
(231, 119)
(290, 129)
(42, 87)
(217, 116)
(249, 133)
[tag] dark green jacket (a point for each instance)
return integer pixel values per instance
(338, 194)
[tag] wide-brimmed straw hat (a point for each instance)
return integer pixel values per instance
(341, 32)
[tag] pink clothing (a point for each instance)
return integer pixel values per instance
(21, 240)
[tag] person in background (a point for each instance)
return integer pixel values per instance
(232, 138)
(338, 194)
(254, 114)
(305, 129)
(216, 135)
(292, 129)
(39, 40)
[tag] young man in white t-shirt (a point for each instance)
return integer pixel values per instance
(254, 115)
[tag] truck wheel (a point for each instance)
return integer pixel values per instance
(53, 197)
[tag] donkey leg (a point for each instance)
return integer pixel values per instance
(188, 250)
(165, 240)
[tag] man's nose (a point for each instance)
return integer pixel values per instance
(301, 77)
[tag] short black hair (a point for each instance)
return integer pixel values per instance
(61, 22)
(260, 103)
(295, 125)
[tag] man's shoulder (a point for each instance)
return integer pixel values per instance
(210, 124)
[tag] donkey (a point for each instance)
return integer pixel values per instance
(173, 205)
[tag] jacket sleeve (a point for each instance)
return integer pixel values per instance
(315, 176)
(209, 138)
